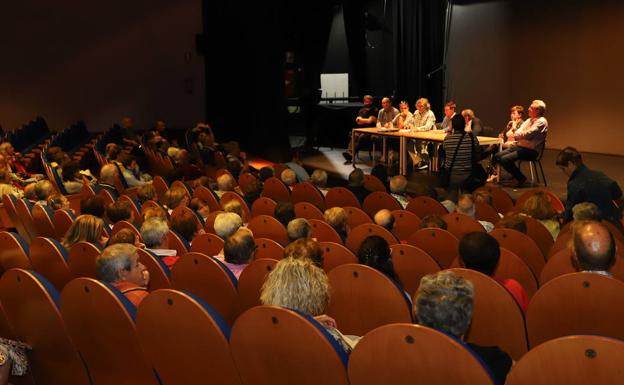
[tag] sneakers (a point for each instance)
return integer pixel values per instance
(347, 156)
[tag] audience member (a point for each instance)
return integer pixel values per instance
(433, 221)
(94, 205)
(296, 166)
(154, 232)
(86, 228)
(593, 247)
(289, 178)
(43, 190)
(252, 191)
(200, 207)
(226, 224)
(186, 224)
(225, 183)
(586, 211)
(398, 189)
(154, 212)
(337, 217)
(513, 221)
(58, 201)
(233, 206)
(284, 212)
(72, 180)
(174, 197)
(6, 187)
(29, 193)
(305, 248)
(298, 228)
(119, 211)
(319, 179)
(375, 252)
(265, 173)
(539, 207)
(119, 266)
(385, 219)
(124, 236)
(238, 251)
(131, 172)
(109, 175)
(147, 192)
(356, 185)
(466, 206)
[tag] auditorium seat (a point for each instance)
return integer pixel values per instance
(180, 210)
(405, 224)
(277, 346)
(335, 254)
(209, 279)
(264, 226)
(42, 221)
(23, 208)
(308, 211)
(161, 186)
(460, 224)
(438, 243)
(185, 340)
(208, 243)
(82, 256)
(207, 196)
(522, 246)
(485, 212)
(359, 234)
(129, 226)
(63, 220)
(411, 264)
(554, 200)
(341, 197)
(402, 354)
(497, 319)
(378, 200)
(356, 216)
(245, 179)
(210, 219)
(49, 258)
(561, 263)
(9, 201)
(14, 251)
(540, 234)
(230, 195)
(501, 200)
(372, 183)
(572, 360)
(250, 283)
(100, 321)
(159, 273)
(263, 206)
(275, 189)
(178, 243)
(109, 199)
(184, 186)
(323, 232)
(268, 248)
(577, 303)
(363, 299)
(135, 207)
(307, 192)
(424, 205)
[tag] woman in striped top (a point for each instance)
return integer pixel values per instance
(460, 141)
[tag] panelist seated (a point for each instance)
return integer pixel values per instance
(423, 119)
(367, 117)
(404, 114)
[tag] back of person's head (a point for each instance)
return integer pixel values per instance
(29, 191)
(154, 212)
(336, 217)
(586, 211)
(265, 173)
(444, 302)
(289, 177)
(356, 178)
(200, 206)
(594, 246)
(297, 284)
(284, 212)
(305, 248)
(465, 205)
(146, 192)
(424, 189)
(226, 224)
(233, 206)
(458, 123)
(569, 155)
(319, 178)
(513, 221)
(119, 211)
(127, 159)
(43, 189)
(479, 251)
(252, 191)
(122, 236)
(58, 201)
(483, 196)
(175, 196)
(202, 181)
(538, 206)
(154, 232)
(298, 228)
(112, 150)
(113, 260)
(398, 184)
(94, 205)
(69, 170)
(234, 166)
(85, 228)
(109, 174)
(433, 221)
(375, 252)
(468, 113)
(239, 248)
(185, 223)
(225, 182)
(385, 219)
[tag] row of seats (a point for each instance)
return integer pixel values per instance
(29, 135)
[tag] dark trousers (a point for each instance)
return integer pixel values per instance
(508, 158)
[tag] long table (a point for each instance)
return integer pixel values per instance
(436, 136)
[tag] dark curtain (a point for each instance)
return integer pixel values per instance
(355, 28)
(419, 28)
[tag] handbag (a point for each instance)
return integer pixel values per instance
(15, 351)
(445, 173)
(478, 175)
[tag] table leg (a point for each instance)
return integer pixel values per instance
(352, 148)
(402, 156)
(383, 151)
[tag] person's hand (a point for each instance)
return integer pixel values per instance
(358, 120)
(326, 321)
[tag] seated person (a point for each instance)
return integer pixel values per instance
(200, 207)
(337, 217)
(154, 212)
(444, 302)
(226, 224)
(305, 248)
(298, 284)
(466, 206)
(131, 172)
(43, 190)
(284, 213)
(183, 168)
(58, 202)
(233, 206)
(186, 224)
(367, 117)
(124, 236)
(296, 165)
(119, 211)
(238, 251)
(449, 111)
(593, 248)
(86, 228)
(539, 207)
(6, 187)
(356, 185)
(112, 151)
(513, 221)
(433, 222)
(423, 119)
(586, 211)
(29, 193)
(147, 192)
(319, 179)
(109, 175)
(119, 266)
(404, 114)
(265, 173)
(385, 219)
(473, 124)
(398, 189)
(225, 183)
(298, 228)
(375, 252)
(481, 252)
(154, 232)
(252, 191)
(94, 205)
(289, 178)
(72, 179)
(174, 197)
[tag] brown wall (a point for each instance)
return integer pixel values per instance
(570, 54)
(97, 61)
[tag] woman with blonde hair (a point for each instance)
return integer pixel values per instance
(174, 197)
(539, 207)
(85, 228)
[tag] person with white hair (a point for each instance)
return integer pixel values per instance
(43, 190)
(529, 141)
(298, 228)
(466, 206)
(225, 183)
(398, 187)
(154, 232)
(119, 266)
(109, 175)
(319, 179)
(225, 225)
(289, 178)
(473, 124)
(423, 119)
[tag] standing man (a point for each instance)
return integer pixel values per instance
(367, 117)
(528, 142)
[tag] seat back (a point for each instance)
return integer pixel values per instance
(323, 232)
(161, 186)
(561, 263)
(341, 197)
(42, 220)
(134, 207)
(335, 254)
(49, 258)
(438, 243)
(424, 205)
(268, 248)
(275, 189)
(522, 246)
(266, 337)
(411, 264)
(405, 223)
(502, 201)
(208, 279)
(127, 225)
(82, 256)
(229, 196)
(158, 272)
(378, 200)
(100, 321)
(207, 196)
(497, 319)
(414, 354)
(308, 211)
(8, 201)
(24, 212)
(307, 192)
(357, 235)
(245, 179)
(31, 305)
(372, 183)
(577, 303)
(195, 335)
(356, 216)
(177, 243)
(554, 200)
(460, 224)
(263, 206)
(363, 299)
(512, 266)
(264, 226)
(573, 360)
(540, 234)
(63, 220)
(209, 244)
(14, 251)
(250, 283)
(485, 212)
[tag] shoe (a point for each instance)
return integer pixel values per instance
(423, 166)
(492, 178)
(346, 162)
(347, 156)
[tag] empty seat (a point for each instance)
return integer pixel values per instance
(372, 183)
(341, 197)
(378, 200)
(424, 205)
(405, 223)
(411, 264)
(250, 283)
(63, 220)
(356, 216)
(335, 254)
(540, 234)
(207, 196)
(485, 212)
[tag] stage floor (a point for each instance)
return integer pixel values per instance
(331, 160)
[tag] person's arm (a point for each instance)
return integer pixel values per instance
(131, 179)
(527, 130)
(575, 195)
(615, 190)
(429, 122)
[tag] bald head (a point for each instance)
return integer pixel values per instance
(384, 219)
(109, 174)
(594, 246)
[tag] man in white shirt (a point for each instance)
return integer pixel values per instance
(386, 114)
(422, 120)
